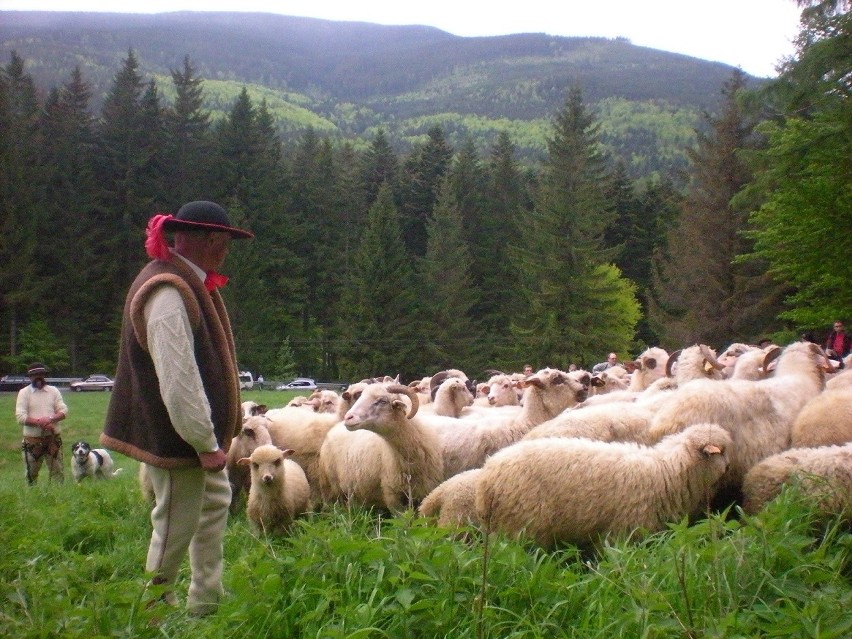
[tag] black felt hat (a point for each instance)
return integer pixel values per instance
(204, 216)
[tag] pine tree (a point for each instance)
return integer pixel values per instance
(577, 306)
(703, 295)
(379, 166)
(423, 173)
(21, 213)
(188, 144)
(72, 198)
(445, 325)
(378, 303)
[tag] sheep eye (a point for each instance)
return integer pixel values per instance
(381, 402)
(255, 465)
(277, 462)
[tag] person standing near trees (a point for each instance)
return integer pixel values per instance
(176, 401)
(838, 343)
(39, 409)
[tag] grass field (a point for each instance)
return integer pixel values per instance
(72, 560)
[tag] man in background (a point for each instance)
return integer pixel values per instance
(39, 409)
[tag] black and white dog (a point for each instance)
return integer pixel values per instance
(91, 462)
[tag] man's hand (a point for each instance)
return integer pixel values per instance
(213, 462)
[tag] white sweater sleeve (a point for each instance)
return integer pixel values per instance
(172, 348)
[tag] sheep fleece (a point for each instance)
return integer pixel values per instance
(579, 490)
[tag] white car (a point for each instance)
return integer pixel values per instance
(246, 380)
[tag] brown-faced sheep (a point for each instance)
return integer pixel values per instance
(579, 491)
(824, 475)
(279, 489)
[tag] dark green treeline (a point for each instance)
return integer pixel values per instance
(365, 262)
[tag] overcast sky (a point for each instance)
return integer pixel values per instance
(752, 34)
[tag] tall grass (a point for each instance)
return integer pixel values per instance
(72, 559)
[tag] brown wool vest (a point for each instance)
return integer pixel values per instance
(137, 422)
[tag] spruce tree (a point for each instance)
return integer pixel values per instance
(577, 307)
(21, 213)
(701, 293)
(188, 148)
(377, 316)
(445, 326)
(423, 172)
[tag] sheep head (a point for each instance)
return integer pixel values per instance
(558, 388)
(267, 463)
(379, 407)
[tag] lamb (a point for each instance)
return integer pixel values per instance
(279, 489)
(305, 431)
(758, 414)
(501, 390)
(824, 475)
(453, 501)
(254, 433)
(548, 392)
(578, 491)
(825, 420)
(381, 456)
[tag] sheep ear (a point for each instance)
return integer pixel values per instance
(287, 452)
(398, 404)
(244, 461)
(597, 381)
(249, 430)
(711, 449)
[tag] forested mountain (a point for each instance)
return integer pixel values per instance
(390, 244)
(346, 79)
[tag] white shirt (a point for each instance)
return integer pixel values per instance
(35, 403)
(172, 348)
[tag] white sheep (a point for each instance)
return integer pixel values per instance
(613, 379)
(826, 420)
(453, 501)
(624, 422)
(647, 368)
(279, 489)
(253, 433)
(758, 414)
(548, 392)
(305, 431)
(324, 401)
(381, 456)
(824, 475)
(451, 397)
(558, 490)
(501, 390)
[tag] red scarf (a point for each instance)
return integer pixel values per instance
(214, 280)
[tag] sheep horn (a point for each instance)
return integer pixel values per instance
(770, 357)
(710, 357)
(408, 392)
(670, 362)
(437, 379)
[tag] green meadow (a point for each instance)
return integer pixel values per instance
(72, 566)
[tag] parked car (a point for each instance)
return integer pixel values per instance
(246, 380)
(92, 383)
(13, 382)
(300, 383)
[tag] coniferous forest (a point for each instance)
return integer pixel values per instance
(371, 261)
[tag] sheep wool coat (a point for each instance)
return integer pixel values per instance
(137, 423)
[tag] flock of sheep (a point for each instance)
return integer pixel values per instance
(561, 457)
